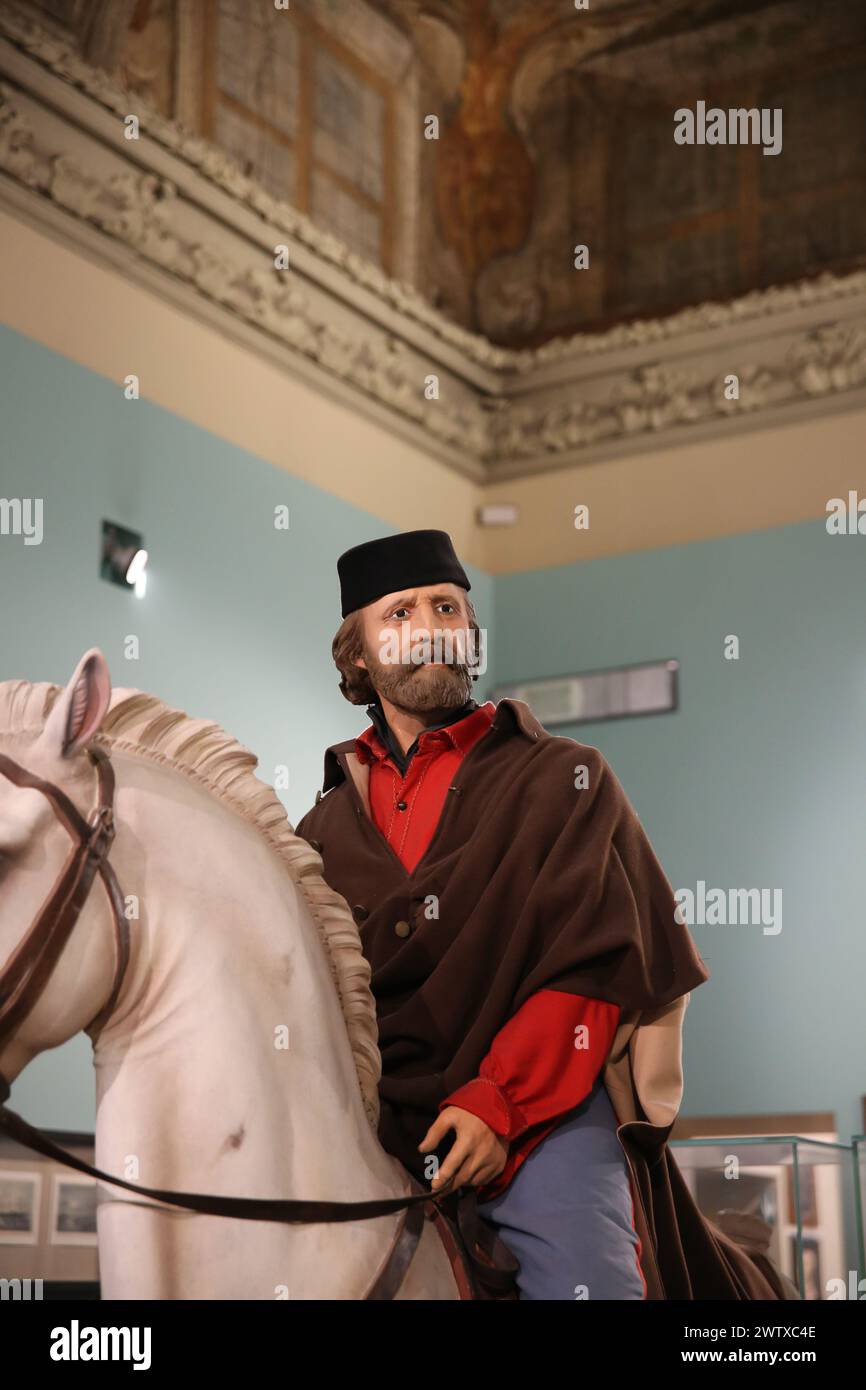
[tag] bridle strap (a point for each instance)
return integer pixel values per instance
(389, 1279)
(31, 964)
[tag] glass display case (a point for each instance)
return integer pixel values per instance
(795, 1194)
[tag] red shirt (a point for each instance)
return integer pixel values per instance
(546, 1058)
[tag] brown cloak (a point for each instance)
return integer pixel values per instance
(536, 878)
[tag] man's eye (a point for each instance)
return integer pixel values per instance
(404, 611)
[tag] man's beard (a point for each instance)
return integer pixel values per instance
(419, 689)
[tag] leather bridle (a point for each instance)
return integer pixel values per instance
(28, 969)
(26, 973)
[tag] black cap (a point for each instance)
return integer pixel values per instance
(404, 561)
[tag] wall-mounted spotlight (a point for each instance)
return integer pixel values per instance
(124, 559)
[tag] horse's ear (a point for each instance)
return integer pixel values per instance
(79, 711)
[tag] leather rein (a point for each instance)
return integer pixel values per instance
(27, 971)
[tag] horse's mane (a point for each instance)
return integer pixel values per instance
(199, 749)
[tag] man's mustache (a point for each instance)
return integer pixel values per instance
(419, 665)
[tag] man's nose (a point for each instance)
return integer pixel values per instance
(425, 624)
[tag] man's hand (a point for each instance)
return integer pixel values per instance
(476, 1157)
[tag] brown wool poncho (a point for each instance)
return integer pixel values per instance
(538, 876)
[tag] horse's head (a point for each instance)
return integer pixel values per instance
(43, 916)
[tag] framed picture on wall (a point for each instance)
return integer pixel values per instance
(73, 1210)
(20, 1203)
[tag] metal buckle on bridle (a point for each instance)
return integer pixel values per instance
(102, 833)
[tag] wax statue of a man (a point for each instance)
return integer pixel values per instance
(529, 971)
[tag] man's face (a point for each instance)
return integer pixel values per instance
(398, 628)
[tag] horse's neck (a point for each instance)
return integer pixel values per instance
(227, 1066)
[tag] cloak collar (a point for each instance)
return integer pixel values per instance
(386, 737)
(512, 716)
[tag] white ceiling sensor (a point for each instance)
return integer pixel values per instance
(622, 692)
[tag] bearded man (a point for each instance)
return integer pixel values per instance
(528, 963)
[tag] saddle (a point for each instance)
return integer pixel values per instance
(483, 1265)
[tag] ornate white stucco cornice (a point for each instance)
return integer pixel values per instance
(203, 235)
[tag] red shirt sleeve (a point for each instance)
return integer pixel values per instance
(540, 1065)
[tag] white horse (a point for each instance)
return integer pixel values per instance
(240, 1055)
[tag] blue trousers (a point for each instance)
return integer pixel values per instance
(567, 1213)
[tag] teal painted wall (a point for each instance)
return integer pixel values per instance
(758, 780)
(238, 618)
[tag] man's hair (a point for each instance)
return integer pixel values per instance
(348, 645)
